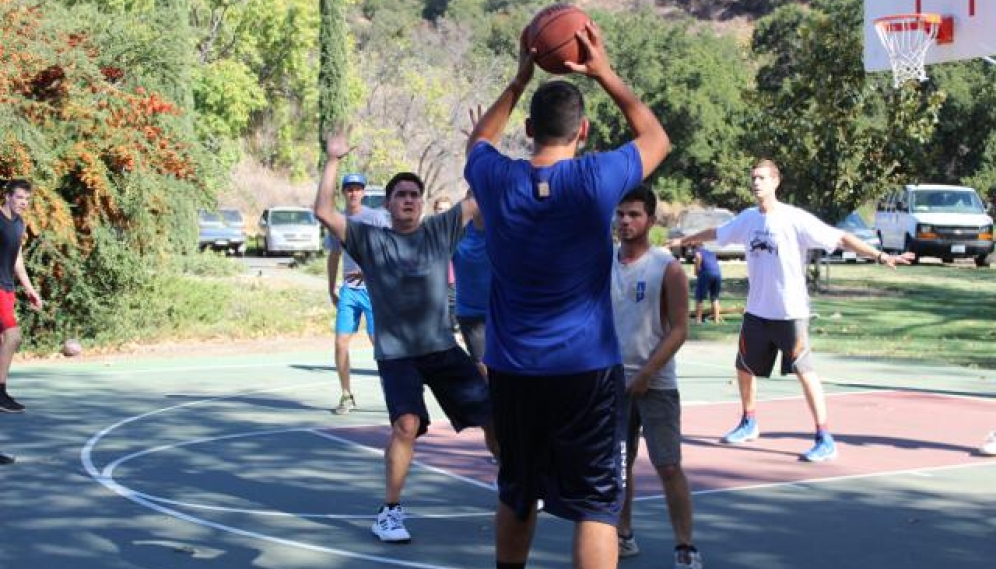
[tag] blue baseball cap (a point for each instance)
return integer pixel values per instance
(354, 179)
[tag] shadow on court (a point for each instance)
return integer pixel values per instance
(235, 462)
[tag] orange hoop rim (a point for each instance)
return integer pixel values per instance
(924, 17)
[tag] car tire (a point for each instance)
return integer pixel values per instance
(982, 261)
(908, 247)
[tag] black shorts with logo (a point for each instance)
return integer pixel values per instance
(561, 439)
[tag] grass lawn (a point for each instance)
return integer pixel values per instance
(930, 312)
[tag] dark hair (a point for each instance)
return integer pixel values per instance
(643, 194)
(769, 164)
(555, 112)
(11, 186)
(404, 177)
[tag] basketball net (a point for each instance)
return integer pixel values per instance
(907, 39)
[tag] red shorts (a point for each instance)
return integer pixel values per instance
(8, 319)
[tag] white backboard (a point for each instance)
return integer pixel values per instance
(974, 29)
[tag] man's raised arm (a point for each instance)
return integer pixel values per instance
(336, 147)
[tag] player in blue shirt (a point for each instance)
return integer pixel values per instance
(551, 349)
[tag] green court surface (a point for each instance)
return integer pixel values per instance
(234, 461)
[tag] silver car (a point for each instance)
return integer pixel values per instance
(289, 230)
(694, 220)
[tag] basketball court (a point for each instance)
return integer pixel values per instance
(236, 461)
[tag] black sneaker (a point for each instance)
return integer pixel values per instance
(6, 459)
(8, 405)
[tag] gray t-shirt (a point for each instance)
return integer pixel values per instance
(377, 217)
(406, 277)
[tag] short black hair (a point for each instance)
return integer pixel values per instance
(555, 112)
(645, 195)
(404, 177)
(11, 186)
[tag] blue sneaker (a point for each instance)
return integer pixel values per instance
(823, 450)
(746, 431)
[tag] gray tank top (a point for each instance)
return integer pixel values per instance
(636, 305)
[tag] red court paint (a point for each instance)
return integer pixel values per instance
(876, 432)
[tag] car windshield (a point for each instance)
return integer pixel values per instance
(694, 221)
(374, 200)
(853, 222)
(209, 216)
(946, 201)
(284, 217)
(232, 217)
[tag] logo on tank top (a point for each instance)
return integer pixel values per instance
(640, 291)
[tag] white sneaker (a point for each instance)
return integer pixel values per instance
(628, 546)
(687, 560)
(346, 404)
(988, 447)
(390, 525)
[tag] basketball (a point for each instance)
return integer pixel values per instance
(551, 34)
(71, 348)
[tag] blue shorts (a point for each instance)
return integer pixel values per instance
(353, 303)
(561, 439)
(708, 283)
(452, 376)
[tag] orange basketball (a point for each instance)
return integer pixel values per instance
(551, 34)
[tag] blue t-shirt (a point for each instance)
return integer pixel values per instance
(709, 265)
(549, 239)
(473, 274)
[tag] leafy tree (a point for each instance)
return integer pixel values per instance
(840, 137)
(332, 67)
(693, 81)
(117, 177)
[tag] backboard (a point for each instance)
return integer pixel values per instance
(974, 31)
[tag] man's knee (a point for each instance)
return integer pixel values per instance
(669, 472)
(12, 337)
(342, 342)
(406, 427)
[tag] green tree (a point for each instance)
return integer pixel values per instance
(840, 137)
(693, 81)
(332, 102)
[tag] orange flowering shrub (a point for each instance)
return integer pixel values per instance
(115, 174)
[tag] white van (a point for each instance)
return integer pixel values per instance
(290, 230)
(937, 221)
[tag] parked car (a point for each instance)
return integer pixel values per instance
(290, 230)
(854, 224)
(695, 220)
(375, 197)
(935, 220)
(221, 230)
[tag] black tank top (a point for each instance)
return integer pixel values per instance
(11, 232)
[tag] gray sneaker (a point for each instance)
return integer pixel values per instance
(687, 559)
(346, 404)
(628, 546)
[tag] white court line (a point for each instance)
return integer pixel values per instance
(86, 457)
(108, 473)
(105, 479)
(926, 472)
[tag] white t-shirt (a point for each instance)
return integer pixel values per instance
(776, 244)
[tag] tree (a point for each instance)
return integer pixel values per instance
(332, 103)
(841, 138)
(693, 81)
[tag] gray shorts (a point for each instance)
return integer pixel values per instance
(659, 413)
(761, 340)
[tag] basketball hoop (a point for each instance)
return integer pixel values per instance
(907, 39)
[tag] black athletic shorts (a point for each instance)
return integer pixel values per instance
(561, 439)
(761, 340)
